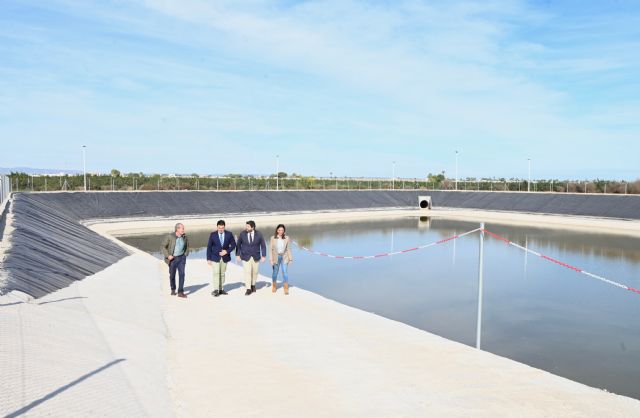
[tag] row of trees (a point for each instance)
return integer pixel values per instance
(282, 181)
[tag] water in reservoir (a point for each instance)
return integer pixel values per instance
(534, 311)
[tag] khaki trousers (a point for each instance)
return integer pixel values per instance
(219, 271)
(250, 272)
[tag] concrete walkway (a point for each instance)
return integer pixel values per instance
(303, 355)
(116, 344)
(96, 348)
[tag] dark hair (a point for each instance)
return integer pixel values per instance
(252, 224)
(220, 222)
(275, 234)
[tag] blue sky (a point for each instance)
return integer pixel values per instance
(331, 86)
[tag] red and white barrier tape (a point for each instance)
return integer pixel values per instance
(492, 234)
(408, 250)
(553, 260)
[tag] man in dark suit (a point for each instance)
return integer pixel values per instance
(221, 245)
(252, 250)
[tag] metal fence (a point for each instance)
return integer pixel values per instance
(24, 182)
(5, 188)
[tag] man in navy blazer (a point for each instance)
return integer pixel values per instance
(252, 250)
(221, 245)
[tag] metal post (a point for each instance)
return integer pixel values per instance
(529, 182)
(392, 230)
(480, 268)
(456, 170)
(454, 251)
(526, 253)
(393, 179)
(277, 172)
(84, 166)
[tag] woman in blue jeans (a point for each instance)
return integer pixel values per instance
(280, 257)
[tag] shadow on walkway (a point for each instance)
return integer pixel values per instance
(61, 300)
(42, 303)
(61, 389)
(194, 288)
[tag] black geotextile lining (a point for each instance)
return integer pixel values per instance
(50, 248)
(141, 204)
(605, 206)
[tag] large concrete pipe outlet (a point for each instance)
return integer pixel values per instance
(424, 202)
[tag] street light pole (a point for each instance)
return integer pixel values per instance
(84, 166)
(529, 182)
(456, 169)
(277, 172)
(393, 180)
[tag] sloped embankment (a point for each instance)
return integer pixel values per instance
(50, 249)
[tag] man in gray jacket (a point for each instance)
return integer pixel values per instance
(175, 248)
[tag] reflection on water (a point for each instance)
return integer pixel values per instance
(533, 311)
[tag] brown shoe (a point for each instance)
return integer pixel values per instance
(273, 287)
(173, 293)
(253, 289)
(182, 295)
(286, 288)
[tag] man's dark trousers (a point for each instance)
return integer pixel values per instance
(178, 263)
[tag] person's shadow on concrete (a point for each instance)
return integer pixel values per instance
(233, 286)
(262, 284)
(194, 288)
(237, 285)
